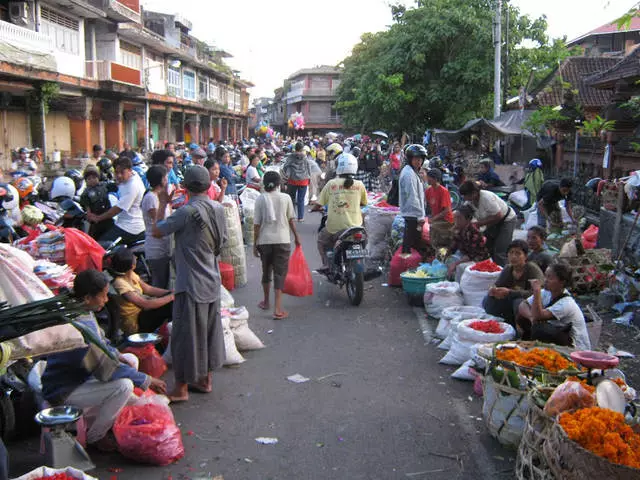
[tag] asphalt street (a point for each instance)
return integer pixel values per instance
(377, 405)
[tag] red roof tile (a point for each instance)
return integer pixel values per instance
(610, 28)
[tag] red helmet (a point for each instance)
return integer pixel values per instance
(24, 187)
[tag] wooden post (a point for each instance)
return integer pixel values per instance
(617, 228)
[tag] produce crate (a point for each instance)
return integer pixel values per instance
(588, 275)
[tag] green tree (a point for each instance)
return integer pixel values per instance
(434, 65)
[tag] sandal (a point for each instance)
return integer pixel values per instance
(264, 306)
(280, 316)
(173, 399)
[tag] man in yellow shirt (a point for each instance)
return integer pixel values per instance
(343, 197)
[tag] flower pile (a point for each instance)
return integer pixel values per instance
(486, 266)
(605, 433)
(487, 326)
(546, 358)
(57, 476)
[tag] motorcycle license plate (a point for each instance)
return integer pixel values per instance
(356, 253)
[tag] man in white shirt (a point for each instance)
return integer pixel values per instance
(129, 223)
(23, 163)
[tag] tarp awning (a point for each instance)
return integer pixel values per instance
(508, 123)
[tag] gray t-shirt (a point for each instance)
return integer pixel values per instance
(197, 270)
(154, 248)
(273, 231)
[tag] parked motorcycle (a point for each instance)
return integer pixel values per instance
(347, 263)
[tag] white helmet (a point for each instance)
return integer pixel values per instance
(15, 200)
(63, 187)
(347, 164)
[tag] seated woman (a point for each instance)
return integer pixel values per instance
(252, 174)
(552, 315)
(71, 378)
(469, 244)
(537, 253)
(513, 283)
(143, 308)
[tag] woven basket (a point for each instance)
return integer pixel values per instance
(504, 410)
(531, 463)
(569, 461)
(587, 275)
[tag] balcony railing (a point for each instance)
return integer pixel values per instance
(15, 35)
(323, 119)
(104, 70)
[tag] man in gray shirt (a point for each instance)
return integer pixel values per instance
(197, 343)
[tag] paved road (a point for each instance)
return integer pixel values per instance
(388, 412)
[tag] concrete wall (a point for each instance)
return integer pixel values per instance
(605, 239)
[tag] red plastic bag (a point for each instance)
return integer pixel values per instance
(81, 251)
(151, 362)
(148, 434)
(298, 282)
(590, 237)
(426, 231)
(400, 264)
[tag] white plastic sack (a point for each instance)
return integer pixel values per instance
(519, 198)
(244, 337)
(232, 355)
(248, 198)
(465, 372)
(459, 312)
(166, 356)
(50, 472)
(466, 337)
(475, 285)
(226, 299)
(441, 295)
(18, 283)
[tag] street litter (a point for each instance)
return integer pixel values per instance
(619, 353)
(297, 378)
(624, 319)
(267, 440)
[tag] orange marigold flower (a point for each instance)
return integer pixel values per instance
(546, 358)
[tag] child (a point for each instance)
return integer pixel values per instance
(95, 199)
(143, 308)
(218, 187)
(157, 250)
(253, 177)
(468, 242)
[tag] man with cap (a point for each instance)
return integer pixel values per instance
(23, 163)
(198, 156)
(197, 341)
(439, 202)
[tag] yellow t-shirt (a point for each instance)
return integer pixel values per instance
(128, 311)
(343, 204)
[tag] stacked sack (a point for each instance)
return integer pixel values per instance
(379, 230)
(233, 250)
(476, 281)
(441, 295)
(248, 198)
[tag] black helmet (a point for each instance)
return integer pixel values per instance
(76, 176)
(356, 151)
(104, 164)
(415, 150)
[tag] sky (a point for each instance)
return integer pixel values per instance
(271, 39)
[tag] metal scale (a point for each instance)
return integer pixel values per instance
(61, 449)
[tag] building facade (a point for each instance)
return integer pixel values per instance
(313, 92)
(609, 39)
(75, 73)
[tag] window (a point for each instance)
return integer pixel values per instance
(130, 55)
(236, 96)
(214, 91)
(63, 31)
(230, 99)
(173, 81)
(203, 88)
(189, 85)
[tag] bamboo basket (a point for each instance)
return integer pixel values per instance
(504, 410)
(587, 275)
(531, 463)
(569, 461)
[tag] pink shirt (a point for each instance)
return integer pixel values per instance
(214, 191)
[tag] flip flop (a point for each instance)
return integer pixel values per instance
(200, 389)
(173, 399)
(280, 316)
(264, 306)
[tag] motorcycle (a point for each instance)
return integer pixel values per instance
(347, 263)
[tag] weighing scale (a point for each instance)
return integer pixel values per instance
(60, 447)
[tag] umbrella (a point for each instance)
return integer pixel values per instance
(380, 133)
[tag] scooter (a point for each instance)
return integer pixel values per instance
(347, 263)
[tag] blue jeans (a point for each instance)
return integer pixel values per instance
(297, 194)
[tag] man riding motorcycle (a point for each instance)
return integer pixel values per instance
(343, 197)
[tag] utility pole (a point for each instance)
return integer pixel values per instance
(497, 67)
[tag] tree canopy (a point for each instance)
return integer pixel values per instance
(434, 66)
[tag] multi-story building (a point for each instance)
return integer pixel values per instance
(121, 74)
(313, 92)
(260, 112)
(610, 39)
